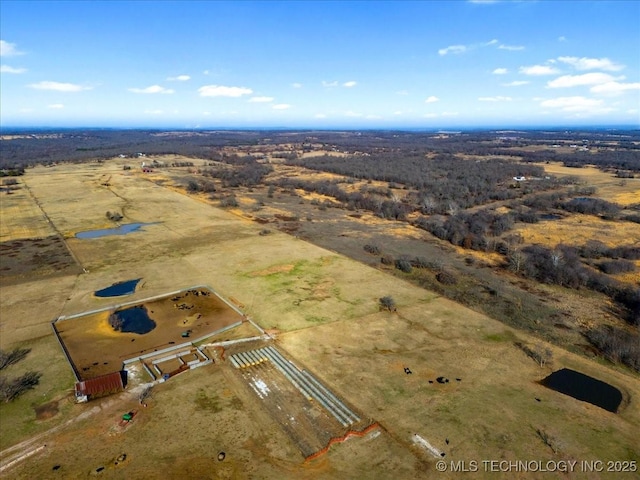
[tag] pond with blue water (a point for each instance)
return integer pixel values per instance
(118, 289)
(106, 232)
(135, 320)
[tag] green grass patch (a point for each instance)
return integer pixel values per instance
(506, 336)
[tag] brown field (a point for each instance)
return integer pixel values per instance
(322, 308)
(622, 191)
(577, 229)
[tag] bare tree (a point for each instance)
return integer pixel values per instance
(516, 260)
(12, 389)
(14, 356)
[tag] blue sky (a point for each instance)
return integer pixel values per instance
(363, 64)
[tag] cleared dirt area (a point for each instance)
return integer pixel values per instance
(322, 309)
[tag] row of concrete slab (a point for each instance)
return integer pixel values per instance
(311, 388)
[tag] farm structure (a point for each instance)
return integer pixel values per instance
(169, 362)
(100, 386)
(309, 413)
(98, 347)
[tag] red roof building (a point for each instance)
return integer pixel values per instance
(100, 386)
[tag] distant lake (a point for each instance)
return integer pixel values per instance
(105, 232)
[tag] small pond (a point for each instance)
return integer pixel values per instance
(118, 289)
(585, 388)
(135, 320)
(106, 232)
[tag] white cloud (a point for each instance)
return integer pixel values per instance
(373, 117)
(9, 49)
(574, 104)
(402, 92)
(494, 99)
(154, 112)
(261, 99)
(443, 114)
(458, 49)
(320, 115)
(222, 91)
(349, 84)
(281, 106)
(585, 63)
(296, 85)
(614, 88)
(329, 84)
(562, 39)
(515, 83)
(594, 78)
(205, 72)
(179, 78)
(455, 49)
(539, 70)
(8, 69)
(58, 86)
(431, 99)
(56, 106)
(500, 71)
(511, 48)
(398, 112)
(352, 114)
(152, 89)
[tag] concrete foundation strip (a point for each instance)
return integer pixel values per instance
(282, 370)
(316, 394)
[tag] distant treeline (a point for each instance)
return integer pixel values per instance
(69, 145)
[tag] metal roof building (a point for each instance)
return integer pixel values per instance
(100, 386)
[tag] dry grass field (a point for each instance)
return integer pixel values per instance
(609, 187)
(577, 229)
(322, 309)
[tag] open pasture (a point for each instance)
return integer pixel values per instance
(322, 309)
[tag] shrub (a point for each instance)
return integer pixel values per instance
(617, 345)
(387, 302)
(229, 201)
(114, 216)
(387, 259)
(612, 267)
(446, 278)
(404, 265)
(420, 262)
(372, 249)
